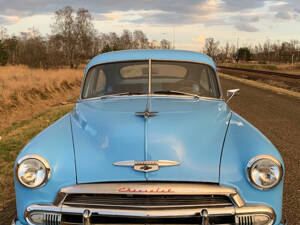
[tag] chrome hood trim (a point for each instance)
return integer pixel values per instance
(146, 166)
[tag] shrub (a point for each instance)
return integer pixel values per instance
(244, 54)
(3, 55)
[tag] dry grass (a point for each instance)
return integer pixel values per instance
(17, 83)
(27, 97)
(25, 92)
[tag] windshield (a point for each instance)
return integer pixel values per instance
(166, 77)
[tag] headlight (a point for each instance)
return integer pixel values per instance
(264, 171)
(32, 171)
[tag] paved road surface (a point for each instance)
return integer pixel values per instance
(278, 117)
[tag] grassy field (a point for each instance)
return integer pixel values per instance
(25, 92)
(14, 138)
(30, 100)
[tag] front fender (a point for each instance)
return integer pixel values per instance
(55, 144)
(242, 143)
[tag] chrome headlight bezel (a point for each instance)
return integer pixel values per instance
(40, 160)
(256, 160)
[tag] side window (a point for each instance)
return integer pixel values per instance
(101, 81)
(214, 83)
(87, 84)
(204, 79)
(95, 83)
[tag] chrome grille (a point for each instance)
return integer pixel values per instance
(52, 219)
(244, 220)
(146, 201)
(115, 220)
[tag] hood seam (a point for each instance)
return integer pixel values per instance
(221, 155)
(74, 152)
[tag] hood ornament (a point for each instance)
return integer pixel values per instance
(146, 114)
(147, 166)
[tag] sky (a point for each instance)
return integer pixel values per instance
(187, 22)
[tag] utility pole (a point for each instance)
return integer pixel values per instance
(173, 37)
(237, 50)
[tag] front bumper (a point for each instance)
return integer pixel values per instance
(242, 216)
(82, 212)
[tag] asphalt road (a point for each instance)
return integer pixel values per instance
(278, 117)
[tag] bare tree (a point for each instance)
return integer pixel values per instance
(165, 44)
(153, 44)
(140, 40)
(64, 28)
(84, 34)
(3, 33)
(126, 40)
(211, 47)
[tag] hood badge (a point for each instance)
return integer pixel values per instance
(147, 114)
(147, 166)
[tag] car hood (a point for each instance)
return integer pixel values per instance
(186, 130)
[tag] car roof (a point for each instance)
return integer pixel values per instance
(128, 55)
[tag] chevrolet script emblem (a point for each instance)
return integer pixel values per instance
(146, 166)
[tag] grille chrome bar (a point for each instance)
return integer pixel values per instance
(155, 188)
(146, 201)
(244, 220)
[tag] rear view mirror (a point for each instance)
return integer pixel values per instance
(231, 93)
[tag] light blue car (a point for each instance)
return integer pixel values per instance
(151, 140)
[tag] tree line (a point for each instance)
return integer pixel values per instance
(274, 52)
(73, 41)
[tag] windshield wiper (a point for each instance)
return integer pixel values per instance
(122, 94)
(172, 92)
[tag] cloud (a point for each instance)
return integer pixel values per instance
(218, 21)
(160, 17)
(238, 13)
(285, 10)
(108, 16)
(9, 19)
(245, 22)
(102, 6)
(280, 3)
(160, 12)
(283, 15)
(245, 27)
(249, 18)
(200, 39)
(112, 16)
(238, 5)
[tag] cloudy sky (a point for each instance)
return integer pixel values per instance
(249, 21)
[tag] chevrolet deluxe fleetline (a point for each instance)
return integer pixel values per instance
(151, 140)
